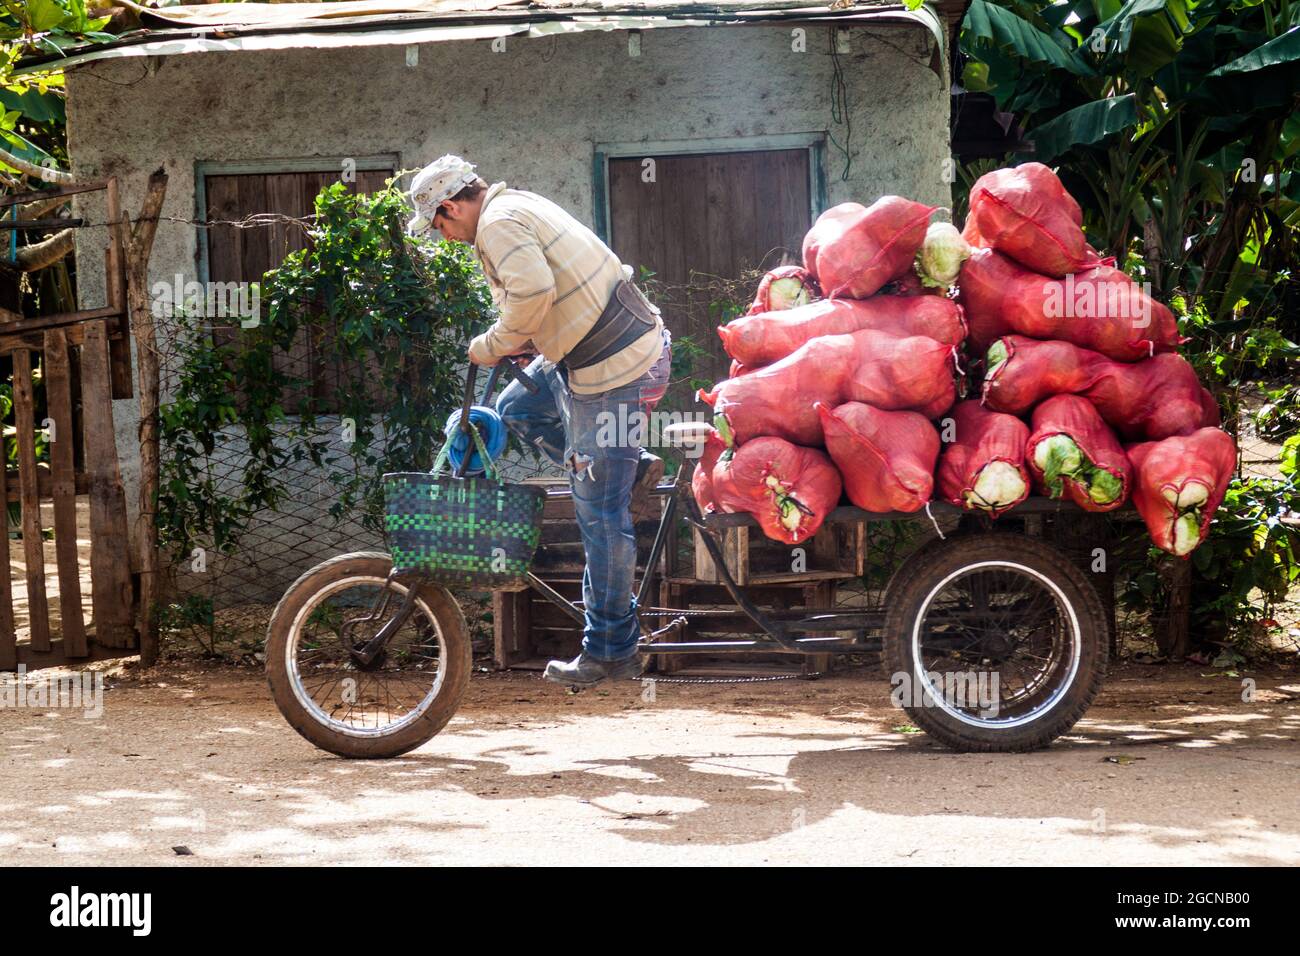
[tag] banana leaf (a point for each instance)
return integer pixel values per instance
(1258, 84)
(1004, 29)
(1084, 125)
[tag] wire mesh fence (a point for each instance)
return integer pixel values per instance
(220, 593)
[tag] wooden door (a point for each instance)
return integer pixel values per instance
(703, 223)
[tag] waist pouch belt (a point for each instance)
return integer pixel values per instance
(626, 317)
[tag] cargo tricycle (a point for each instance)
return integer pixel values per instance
(994, 641)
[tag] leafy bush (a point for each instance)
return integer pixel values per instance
(391, 313)
(1243, 570)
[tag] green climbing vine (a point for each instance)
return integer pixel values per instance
(388, 316)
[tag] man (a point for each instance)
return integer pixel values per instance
(603, 364)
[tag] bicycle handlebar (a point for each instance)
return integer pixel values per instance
(508, 364)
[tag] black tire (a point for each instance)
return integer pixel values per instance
(1072, 607)
(433, 602)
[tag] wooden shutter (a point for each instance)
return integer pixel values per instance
(711, 214)
(245, 254)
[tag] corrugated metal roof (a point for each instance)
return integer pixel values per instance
(225, 27)
(319, 14)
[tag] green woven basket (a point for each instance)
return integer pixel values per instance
(478, 532)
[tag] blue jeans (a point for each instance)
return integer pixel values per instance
(597, 439)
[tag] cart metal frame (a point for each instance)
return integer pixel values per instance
(792, 631)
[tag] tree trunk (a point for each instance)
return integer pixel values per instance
(38, 255)
(1173, 635)
(46, 173)
(1225, 246)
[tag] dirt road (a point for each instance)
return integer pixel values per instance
(1169, 767)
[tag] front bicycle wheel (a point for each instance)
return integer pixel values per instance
(358, 704)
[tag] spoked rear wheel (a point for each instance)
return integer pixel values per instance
(994, 642)
(342, 692)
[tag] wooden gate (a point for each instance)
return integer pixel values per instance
(73, 598)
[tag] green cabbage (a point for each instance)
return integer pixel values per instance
(787, 293)
(1193, 495)
(791, 514)
(998, 484)
(995, 356)
(1187, 532)
(724, 429)
(1103, 487)
(942, 253)
(1187, 526)
(1058, 457)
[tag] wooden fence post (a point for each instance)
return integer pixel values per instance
(144, 334)
(110, 573)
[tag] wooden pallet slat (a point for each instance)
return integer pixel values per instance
(58, 398)
(67, 189)
(836, 551)
(44, 485)
(33, 548)
(510, 617)
(37, 323)
(112, 594)
(8, 633)
(119, 347)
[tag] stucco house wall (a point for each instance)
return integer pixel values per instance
(531, 115)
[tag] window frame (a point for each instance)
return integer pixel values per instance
(204, 168)
(814, 143)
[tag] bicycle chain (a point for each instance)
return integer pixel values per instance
(713, 680)
(719, 680)
(712, 612)
(696, 612)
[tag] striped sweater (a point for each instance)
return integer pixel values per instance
(551, 277)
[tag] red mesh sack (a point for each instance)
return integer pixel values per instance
(1210, 416)
(1072, 451)
(897, 374)
(1024, 212)
(1179, 483)
(1149, 400)
(790, 490)
(778, 399)
(1020, 372)
(702, 477)
(1153, 399)
(766, 337)
(983, 467)
(785, 287)
(1101, 309)
(885, 458)
(853, 250)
